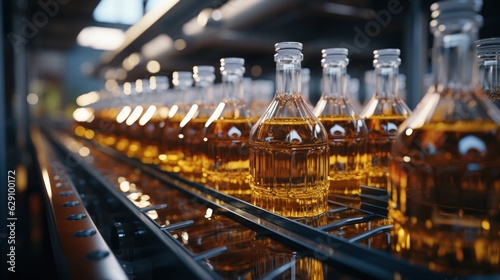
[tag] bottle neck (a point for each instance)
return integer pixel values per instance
(232, 87)
(386, 80)
(454, 59)
(334, 81)
(288, 76)
(205, 93)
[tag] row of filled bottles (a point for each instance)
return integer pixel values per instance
(439, 164)
(186, 130)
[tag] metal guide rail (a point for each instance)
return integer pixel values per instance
(217, 236)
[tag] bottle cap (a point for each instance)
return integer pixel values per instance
(232, 64)
(288, 50)
(334, 51)
(488, 44)
(455, 10)
(386, 56)
(205, 72)
(288, 45)
(334, 55)
(232, 60)
(182, 78)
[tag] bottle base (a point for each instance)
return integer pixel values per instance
(292, 205)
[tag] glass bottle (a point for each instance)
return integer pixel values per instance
(143, 91)
(160, 101)
(444, 194)
(489, 64)
(227, 132)
(353, 93)
(120, 120)
(86, 116)
(289, 146)
(306, 80)
(192, 127)
(262, 95)
(383, 114)
(347, 133)
(170, 149)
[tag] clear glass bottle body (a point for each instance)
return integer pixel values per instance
(191, 131)
(383, 114)
(289, 147)
(444, 198)
(489, 67)
(227, 132)
(170, 150)
(347, 132)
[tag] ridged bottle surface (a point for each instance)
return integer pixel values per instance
(289, 147)
(444, 193)
(227, 133)
(170, 149)
(383, 114)
(192, 126)
(347, 133)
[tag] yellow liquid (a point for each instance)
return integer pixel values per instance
(445, 197)
(135, 135)
(105, 127)
(122, 140)
(170, 152)
(289, 168)
(193, 147)
(150, 141)
(381, 133)
(228, 155)
(347, 155)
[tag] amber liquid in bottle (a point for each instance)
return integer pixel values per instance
(134, 148)
(227, 133)
(383, 114)
(347, 155)
(193, 147)
(229, 152)
(446, 190)
(381, 132)
(291, 173)
(150, 133)
(107, 127)
(122, 140)
(192, 128)
(346, 131)
(150, 143)
(289, 146)
(170, 149)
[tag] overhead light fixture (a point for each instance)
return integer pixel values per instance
(100, 38)
(156, 46)
(197, 24)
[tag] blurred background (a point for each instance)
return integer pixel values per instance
(55, 50)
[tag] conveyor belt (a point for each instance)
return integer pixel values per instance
(150, 214)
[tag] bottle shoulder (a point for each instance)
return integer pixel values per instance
(451, 107)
